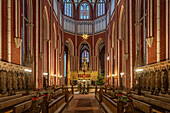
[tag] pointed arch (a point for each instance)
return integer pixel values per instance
(46, 23)
(97, 46)
(84, 41)
(55, 35)
(121, 23)
(45, 38)
(71, 46)
(113, 35)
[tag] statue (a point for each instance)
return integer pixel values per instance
(157, 81)
(144, 81)
(15, 81)
(148, 81)
(9, 81)
(23, 81)
(152, 82)
(169, 80)
(164, 81)
(19, 81)
(3, 81)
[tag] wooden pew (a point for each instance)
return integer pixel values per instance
(144, 107)
(2, 99)
(151, 101)
(163, 99)
(109, 106)
(58, 105)
(20, 108)
(14, 101)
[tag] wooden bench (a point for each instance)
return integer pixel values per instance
(20, 108)
(110, 106)
(2, 99)
(164, 99)
(58, 105)
(151, 101)
(12, 102)
(144, 107)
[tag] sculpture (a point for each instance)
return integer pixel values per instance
(157, 81)
(23, 81)
(164, 81)
(15, 81)
(3, 81)
(19, 81)
(144, 81)
(152, 81)
(9, 81)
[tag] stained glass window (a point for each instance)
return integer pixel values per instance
(84, 11)
(112, 6)
(68, 8)
(100, 8)
(65, 64)
(86, 55)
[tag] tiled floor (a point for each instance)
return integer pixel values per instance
(83, 104)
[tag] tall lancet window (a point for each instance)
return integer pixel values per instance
(100, 7)
(84, 11)
(112, 6)
(65, 64)
(85, 54)
(68, 8)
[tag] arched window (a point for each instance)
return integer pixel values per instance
(100, 7)
(65, 64)
(68, 8)
(112, 6)
(84, 11)
(85, 54)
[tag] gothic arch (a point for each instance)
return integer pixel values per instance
(45, 38)
(86, 43)
(121, 48)
(55, 36)
(113, 35)
(71, 46)
(121, 23)
(97, 46)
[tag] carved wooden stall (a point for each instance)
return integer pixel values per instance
(155, 77)
(14, 78)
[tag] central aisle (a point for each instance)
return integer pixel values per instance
(83, 104)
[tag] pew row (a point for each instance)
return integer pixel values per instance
(25, 106)
(151, 101)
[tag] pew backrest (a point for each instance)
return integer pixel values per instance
(144, 107)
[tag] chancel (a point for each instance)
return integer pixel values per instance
(84, 56)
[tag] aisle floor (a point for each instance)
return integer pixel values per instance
(83, 104)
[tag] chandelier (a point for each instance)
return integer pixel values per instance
(85, 36)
